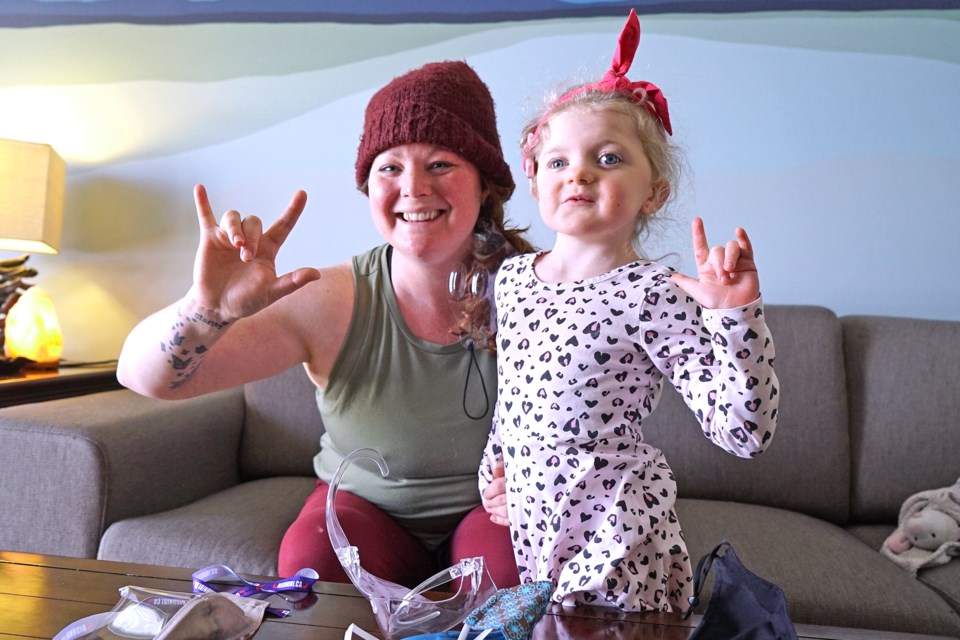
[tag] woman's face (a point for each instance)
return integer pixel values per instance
(425, 201)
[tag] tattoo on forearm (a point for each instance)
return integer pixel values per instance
(184, 360)
(198, 317)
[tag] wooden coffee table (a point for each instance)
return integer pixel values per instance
(40, 595)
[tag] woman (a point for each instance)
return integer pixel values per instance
(376, 335)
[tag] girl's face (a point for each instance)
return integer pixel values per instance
(593, 179)
(425, 201)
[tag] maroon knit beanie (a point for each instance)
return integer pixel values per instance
(441, 103)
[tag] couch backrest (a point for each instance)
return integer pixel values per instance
(282, 427)
(807, 466)
(834, 458)
(904, 380)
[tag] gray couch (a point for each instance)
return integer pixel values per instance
(870, 415)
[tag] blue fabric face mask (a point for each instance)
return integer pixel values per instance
(742, 606)
(402, 612)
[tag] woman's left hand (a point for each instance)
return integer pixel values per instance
(494, 497)
(726, 274)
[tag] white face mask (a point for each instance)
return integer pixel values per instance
(150, 614)
(403, 612)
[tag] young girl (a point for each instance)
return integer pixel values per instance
(587, 333)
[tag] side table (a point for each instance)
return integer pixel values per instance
(67, 381)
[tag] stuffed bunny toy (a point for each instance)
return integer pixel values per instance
(928, 533)
(927, 528)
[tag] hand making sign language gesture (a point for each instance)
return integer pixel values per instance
(235, 269)
(726, 274)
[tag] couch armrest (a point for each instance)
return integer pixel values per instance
(71, 467)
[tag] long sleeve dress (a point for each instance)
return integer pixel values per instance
(580, 365)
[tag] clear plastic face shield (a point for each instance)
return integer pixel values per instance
(402, 612)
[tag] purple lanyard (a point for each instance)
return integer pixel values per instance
(299, 583)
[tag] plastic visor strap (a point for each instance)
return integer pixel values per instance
(413, 608)
(369, 585)
(301, 582)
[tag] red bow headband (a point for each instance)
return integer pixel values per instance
(615, 79)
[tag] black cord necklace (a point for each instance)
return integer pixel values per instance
(471, 365)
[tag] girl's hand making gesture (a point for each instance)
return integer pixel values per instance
(726, 275)
(235, 270)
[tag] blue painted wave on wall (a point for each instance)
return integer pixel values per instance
(34, 13)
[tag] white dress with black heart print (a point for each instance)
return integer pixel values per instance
(580, 365)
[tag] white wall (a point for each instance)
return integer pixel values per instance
(830, 137)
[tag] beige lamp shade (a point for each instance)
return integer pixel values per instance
(31, 197)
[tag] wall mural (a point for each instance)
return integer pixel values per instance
(32, 13)
(827, 129)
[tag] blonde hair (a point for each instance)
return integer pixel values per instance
(665, 156)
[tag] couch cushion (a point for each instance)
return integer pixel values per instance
(282, 428)
(74, 465)
(829, 577)
(903, 378)
(945, 580)
(807, 466)
(240, 527)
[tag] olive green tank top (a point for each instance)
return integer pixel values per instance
(403, 396)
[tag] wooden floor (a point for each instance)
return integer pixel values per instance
(41, 595)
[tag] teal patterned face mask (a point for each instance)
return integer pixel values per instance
(513, 612)
(402, 612)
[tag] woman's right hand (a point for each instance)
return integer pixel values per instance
(235, 269)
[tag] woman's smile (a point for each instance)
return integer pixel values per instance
(419, 216)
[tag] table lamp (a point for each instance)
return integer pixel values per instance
(31, 210)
